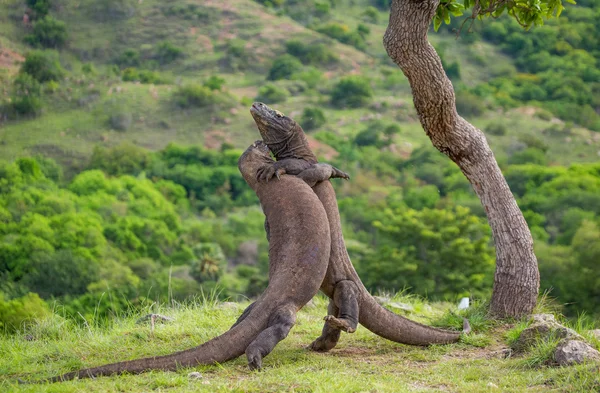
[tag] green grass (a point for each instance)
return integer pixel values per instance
(361, 362)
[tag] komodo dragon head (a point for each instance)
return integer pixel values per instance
(281, 133)
(255, 156)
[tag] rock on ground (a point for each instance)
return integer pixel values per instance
(570, 352)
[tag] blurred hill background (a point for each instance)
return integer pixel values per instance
(121, 122)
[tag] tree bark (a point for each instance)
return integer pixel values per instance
(516, 281)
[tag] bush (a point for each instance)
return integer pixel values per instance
(43, 66)
(312, 118)
(39, 7)
(530, 155)
(271, 94)
(352, 92)
(371, 15)
(194, 96)
(167, 53)
(48, 32)
(125, 159)
(18, 313)
(120, 121)
(129, 58)
(343, 34)
(284, 67)
(497, 129)
(468, 104)
(25, 99)
(214, 83)
(143, 76)
(316, 54)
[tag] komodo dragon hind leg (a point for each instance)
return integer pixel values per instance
(329, 335)
(244, 314)
(343, 315)
(345, 296)
(279, 327)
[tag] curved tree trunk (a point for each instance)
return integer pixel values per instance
(516, 281)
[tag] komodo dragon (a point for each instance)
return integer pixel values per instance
(342, 285)
(296, 270)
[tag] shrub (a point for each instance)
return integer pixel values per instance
(167, 53)
(48, 32)
(311, 76)
(120, 121)
(201, 96)
(194, 96)
(271, 94)
(497, 129)
(312, 118)
(143, 76)
(530, 155)
(25, 99)
(43, 66)
(371, 15)
(343, 34)
(20, 312)
(314, 54)
(468, 104)
(40, 7)
(284, 67)
(129, 58)
(352, 92)
(125, 159)
(214, 83)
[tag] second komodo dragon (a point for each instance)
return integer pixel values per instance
(350, 301)
(298, 256)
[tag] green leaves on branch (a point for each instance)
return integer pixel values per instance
(526, 12)
(444, 10)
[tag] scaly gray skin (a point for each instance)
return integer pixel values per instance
(350, 302)
(296, 270)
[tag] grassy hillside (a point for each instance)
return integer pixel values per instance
(76, 114)
(361, 362)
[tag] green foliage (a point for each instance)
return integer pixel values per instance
(312, 118)
(209, 264)
(48, 33)
(214, 83)
(284, 67)
(120, 160)
(371, 15)
(316, 54)
(237, 57)
(25, 98)
(43, 66)
(351, 92)
(272, 94)
(143, 76)
(427, 249)
(468, 104)
(497, 129)
(39, 7)
(197, 96)
(21, 312)
(130, 58)
(167, 53)
(343, 34)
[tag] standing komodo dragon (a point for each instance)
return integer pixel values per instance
(298, 256)
(342, 285)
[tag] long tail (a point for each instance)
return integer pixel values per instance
(227, 346)
(395, 327)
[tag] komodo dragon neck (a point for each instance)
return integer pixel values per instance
(283, 135)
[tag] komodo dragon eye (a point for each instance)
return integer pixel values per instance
(278, 114)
